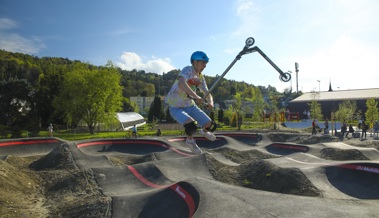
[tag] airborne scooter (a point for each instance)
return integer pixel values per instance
(247, 49)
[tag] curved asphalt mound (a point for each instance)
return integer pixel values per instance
(179, 184)
(129, 146)
(370, 153)
(28, 147)
(286, 148)
(246, 138)
(201, 142)
(155, 180)
(359, 180)
(178, 200)
(84, 161)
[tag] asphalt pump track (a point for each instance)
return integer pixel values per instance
(164, 179)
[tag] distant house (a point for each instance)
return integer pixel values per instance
(330, 100)
(227, 103)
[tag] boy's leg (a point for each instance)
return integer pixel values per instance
(182, 117)
(190, 114)
(207, 125)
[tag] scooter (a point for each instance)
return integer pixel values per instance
(247, 49)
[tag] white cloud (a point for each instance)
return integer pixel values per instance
(247, 12)
(244, 7)
(6, 23)
(131, 60)
(13, 42)
(347, 63)
(333, 41)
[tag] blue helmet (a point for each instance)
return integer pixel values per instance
(199, 56)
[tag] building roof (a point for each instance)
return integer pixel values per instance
(341, 95)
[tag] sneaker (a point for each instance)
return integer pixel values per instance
(210, 136)
(193, 146)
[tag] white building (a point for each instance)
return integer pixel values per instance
(142, 103)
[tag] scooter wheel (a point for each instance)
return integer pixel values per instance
(250, 41)
(285, 77)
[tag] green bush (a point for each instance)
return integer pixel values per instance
(4, 131)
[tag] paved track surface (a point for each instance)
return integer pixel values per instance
(176, 183)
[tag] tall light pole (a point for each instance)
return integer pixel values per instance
(297, 71)
(318, 85)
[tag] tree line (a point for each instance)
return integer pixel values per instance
(35, 92)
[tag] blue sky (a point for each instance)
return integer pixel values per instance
(332, 40)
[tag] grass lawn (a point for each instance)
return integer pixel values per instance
(71, 135)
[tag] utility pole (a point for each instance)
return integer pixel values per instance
(297, 71)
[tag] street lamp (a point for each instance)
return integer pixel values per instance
(318, 85)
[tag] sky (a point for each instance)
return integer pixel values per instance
(333, 41)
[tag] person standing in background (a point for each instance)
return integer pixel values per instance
(364, 128)
(326, 127)
(50, 129)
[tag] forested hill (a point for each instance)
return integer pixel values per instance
(47, 72)
(38, 81)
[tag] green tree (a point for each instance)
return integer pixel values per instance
(233, 120)
(169, 119)
(156, 110)
(212, 115)
(236, 120)
(130, 106)
(91, 94)
(346, 110)
(220, 116)
(16, 104)
(372, 113)
(238, 113)
(254, 95)
(221, 93)
(233, 90)
(228, 113)
(238, 100)
(272, 107)
(49, 84)
(149, 89)
(315, 109)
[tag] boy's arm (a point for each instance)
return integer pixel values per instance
(184, 86)
(204, 89)
(210, 101)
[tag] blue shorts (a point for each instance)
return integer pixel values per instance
(182, 114)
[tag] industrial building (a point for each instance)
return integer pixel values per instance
(330, 100)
